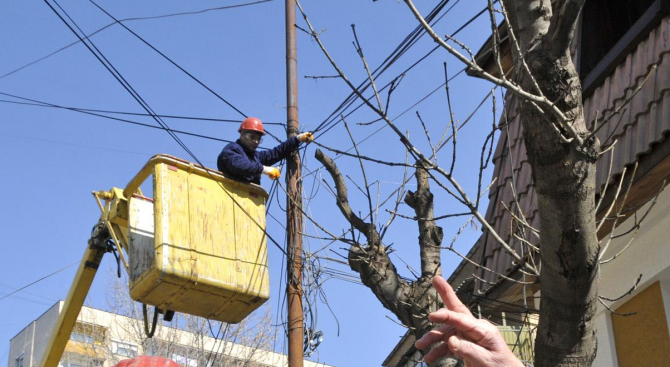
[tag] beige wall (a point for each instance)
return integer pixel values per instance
(648, 255)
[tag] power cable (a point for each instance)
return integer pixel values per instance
(38, 280)
(353, 94)
(35, 302)
(45, 104)
(115, 73)
(133, 19)
(401, 49)
(176, 117)
(37, 103)
(144, 105)
(177, 66)
(77, 145)
(169, 60)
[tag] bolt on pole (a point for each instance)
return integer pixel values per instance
(294, 223)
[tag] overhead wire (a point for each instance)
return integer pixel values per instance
(330, 124)
(46, 104)
(177, 65)
(38, 280)
(400, 50)
(102, 59)
(177, 117)
(169, 60)
(134, 19)
(37, 103)
(115, 73)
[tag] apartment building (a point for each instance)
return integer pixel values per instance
(102, 339)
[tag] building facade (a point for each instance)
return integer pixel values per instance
(102, 339)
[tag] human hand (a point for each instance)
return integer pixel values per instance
(272, 172)
(475, 341)
(306, 137)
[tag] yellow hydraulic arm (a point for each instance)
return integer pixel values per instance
(112, 225)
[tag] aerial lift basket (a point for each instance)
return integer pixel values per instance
(199, 246)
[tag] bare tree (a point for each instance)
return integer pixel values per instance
(190, 340)
(562, 154)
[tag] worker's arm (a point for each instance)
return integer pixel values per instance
(475, 341)
(233, 160)
(281, 151)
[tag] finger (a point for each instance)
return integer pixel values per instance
(449, 296)
(470, 352)
(473, 329)
(438, 352)
(436, 335)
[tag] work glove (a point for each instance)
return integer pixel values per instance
(306, 137)
(272, 172)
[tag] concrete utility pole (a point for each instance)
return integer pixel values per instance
(293, 200)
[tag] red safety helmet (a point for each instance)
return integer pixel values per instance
(147, 361)
(252, 123)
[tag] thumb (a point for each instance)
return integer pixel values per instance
(469, 352)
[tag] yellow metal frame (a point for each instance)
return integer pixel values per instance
(208, 243)
(114, 215)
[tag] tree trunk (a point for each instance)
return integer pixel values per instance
(564, 176)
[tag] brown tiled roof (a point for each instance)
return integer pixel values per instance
(643, 125)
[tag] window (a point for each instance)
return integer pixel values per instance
(610, 30)
(184, 361)
(79, 337)
(18, 362)
(76, 360)
(124, 349)
(89, 334)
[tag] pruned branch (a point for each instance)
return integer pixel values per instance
(371, 261)
(430, 235)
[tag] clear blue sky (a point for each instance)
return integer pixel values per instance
(52, 158)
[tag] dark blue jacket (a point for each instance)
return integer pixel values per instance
(234, 161)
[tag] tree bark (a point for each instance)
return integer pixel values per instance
(564, 176)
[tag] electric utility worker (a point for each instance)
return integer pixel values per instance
(243, 161)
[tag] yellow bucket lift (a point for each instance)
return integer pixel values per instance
(198, 246)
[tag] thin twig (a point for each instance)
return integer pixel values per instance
(425, 130)
(538, 101)
(636, 226)
(401, 193)
(367, 68)
(360, 161)
(454, 134)
(607, 182)
(614, 312)
(519, 55)
(614, 200)
(630, 291)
